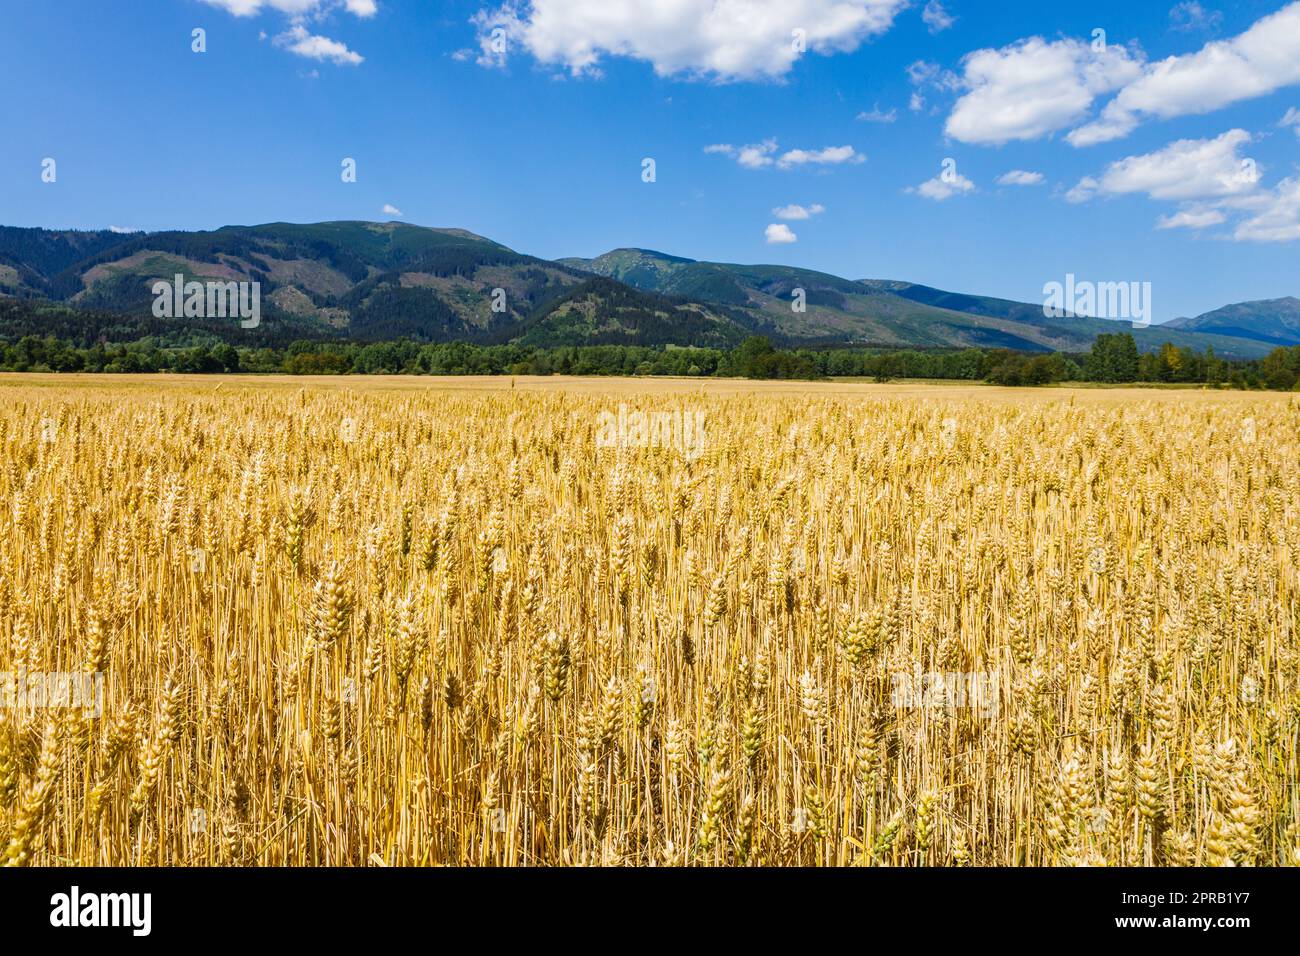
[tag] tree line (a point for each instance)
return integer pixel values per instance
(1112, 359)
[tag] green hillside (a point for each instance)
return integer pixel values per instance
(881, 312)
(374, 281)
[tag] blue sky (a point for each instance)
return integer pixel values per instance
(541, 148)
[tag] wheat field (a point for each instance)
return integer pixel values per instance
(434, 622)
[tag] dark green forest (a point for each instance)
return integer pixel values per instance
(41, 337)
(1113, 359)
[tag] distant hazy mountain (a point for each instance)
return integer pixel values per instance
(1275, 321)
(385, 280)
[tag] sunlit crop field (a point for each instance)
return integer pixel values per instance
(487, 622)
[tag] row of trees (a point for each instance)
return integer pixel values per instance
(1113, 359)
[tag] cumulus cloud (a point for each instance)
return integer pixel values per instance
(1032, 88)
(778, 233)
(795, 211)
(1275, 216)
(1259, 61)
(1183, 170)
(1211, 182)
(936, 17)
(1020, 177)
(752, 156)
(756, 156)
(726, 40)
(830, 156)
(764, 154)
(391, 210)
(298, 40)
(1112, 124)
(945, 187)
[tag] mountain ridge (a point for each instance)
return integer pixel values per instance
(372, 280)
(1274, 321)
(890, 312)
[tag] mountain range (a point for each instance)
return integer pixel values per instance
(1275, 321)
(372, 281)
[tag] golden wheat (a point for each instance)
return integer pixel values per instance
(411, 624)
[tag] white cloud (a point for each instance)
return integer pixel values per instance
(795, 211)
(295, 8)
(1212, 182)
(764, 154)
(757, 155)
(249, 8)
(1112, 124)
(929, 77)
(1020, 177)
(122, 229)
(925, 74)
(1276, 215)
(1033, 88)
(940, 188)
(1292, 119)
(752, 156)
(778, 233)
(297, 40)
(720, 39)
(875, 115)
(1260, 61)
(1186, 169)
(1191, 219)
(1190, 16)
(1085, 190)
(830, 156)
(391, 210)
(936, 17)
(495, 31)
